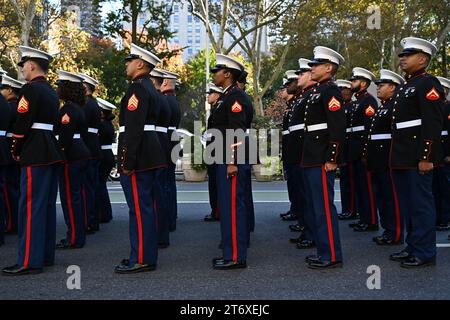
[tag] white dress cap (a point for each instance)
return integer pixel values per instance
(105, 104)
(69, 76)
(326, 55)
(388, 76)
(88, 79)
(10, 82)
(343, 84)
(137, 52)
(412, 45)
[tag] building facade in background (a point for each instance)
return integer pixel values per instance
(190, 32)
(87, 14)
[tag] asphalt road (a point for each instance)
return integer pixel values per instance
(276, 269)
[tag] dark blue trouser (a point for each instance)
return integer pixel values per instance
(320, 186)
(292, 188)
(70, 181)
(441, 192)
(90, 186)
(3, 212)
(161, 205)
(387, 203)
(306, 218)
(37, 215)
(9, 196)
(172, 194)
(212, 190)
(347, 187)
(234, 216)
(249, 198)
(103, 202)
(138, 190)
(416, 203)
(364, 194)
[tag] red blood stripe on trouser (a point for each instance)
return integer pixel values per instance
(352, 188)
(8, 205)
(328, 214)
(233, 217)
(397, 209)
(29, 203)
(371, 198)
(138, 218)
(83, 195)
(69, 203)
(155, 208)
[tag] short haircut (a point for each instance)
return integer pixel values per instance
(43, 64)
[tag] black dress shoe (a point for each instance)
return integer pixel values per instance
(214, 261)
(400, 256)
(354, 224)
(163, 245)
(414, 262)
(443, 227)
(366, 227)
(306, 244)
(449, 237)
(347, 216)
(91, 229)
(229, 265)
(296, 228)
(282, 215)
(290, 217)
(137, 268)
(296, 240)
(386, 241)
(324, 265)
(312, 258)
(65, 245)
(2, 242)
(17, 270)
(210, 218)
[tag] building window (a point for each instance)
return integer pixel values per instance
(176, 19)
(189, 18)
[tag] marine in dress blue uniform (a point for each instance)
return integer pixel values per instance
(231, 178)
(364, 108)
(35, 145)
(214, 93)
(70, 130)
(376, 158)
(140, 157)
(417, 121)
(5, 157)
(295, 146)
(441, 178)
(294, 213)
(325, 125)
(107, 136)
(168, 88)
(91, 138)
(10, 169)
(250, 139)
(160, 199)
(349, 209)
